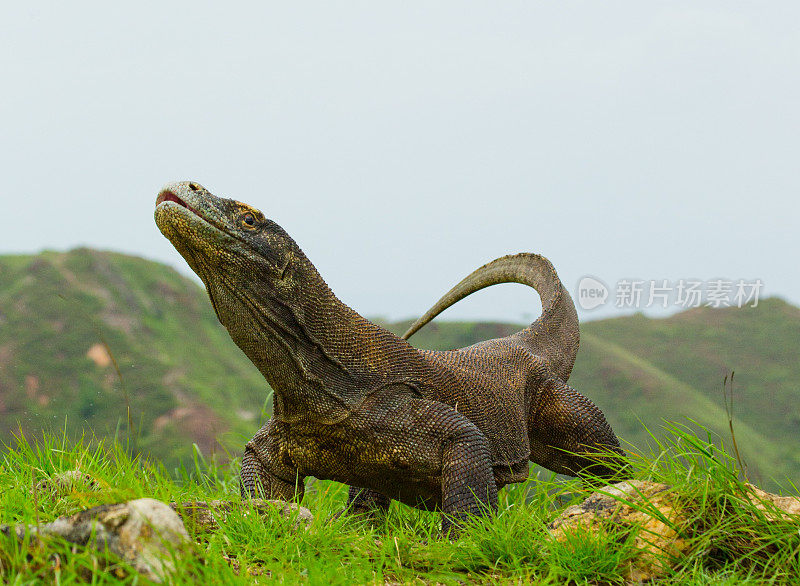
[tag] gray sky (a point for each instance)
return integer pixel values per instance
(404, 144)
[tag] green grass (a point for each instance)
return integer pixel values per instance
(731, 542)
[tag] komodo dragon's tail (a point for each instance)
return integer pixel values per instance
(554, 336)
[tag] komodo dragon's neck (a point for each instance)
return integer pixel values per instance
(320, 356)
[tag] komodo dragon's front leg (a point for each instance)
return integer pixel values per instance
(265, 472)
(434, 455)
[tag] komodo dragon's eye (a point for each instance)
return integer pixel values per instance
(249, 220)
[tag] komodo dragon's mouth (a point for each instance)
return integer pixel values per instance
(167, 195)
(205, 216)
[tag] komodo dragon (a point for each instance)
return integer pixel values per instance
(356, 404)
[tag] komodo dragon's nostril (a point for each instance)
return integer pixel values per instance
(194, 187)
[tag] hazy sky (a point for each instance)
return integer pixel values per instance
(403, 144)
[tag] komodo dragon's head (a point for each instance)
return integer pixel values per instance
(243, 258)
(273, 302)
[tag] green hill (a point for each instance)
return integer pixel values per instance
(687, 357)
(65, 318)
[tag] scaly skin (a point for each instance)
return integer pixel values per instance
(356, 404)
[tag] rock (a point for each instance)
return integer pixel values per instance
(650, 509)
(774, 506)
(652, 504)
(205, 516)
(69, 481)
(146, 533)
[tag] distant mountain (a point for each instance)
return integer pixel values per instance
(67, 318)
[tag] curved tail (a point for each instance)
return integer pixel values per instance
(554, 336)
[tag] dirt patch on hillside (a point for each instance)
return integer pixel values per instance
(99, 355)
(32, 387)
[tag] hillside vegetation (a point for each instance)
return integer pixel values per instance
(69, 320)
(88, 337)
